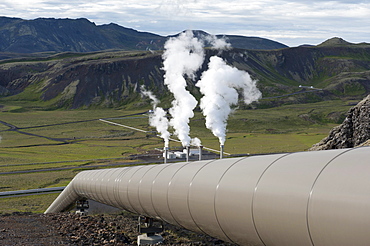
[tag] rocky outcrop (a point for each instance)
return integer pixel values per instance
(105, 79)
(353, 132)
(113, 79)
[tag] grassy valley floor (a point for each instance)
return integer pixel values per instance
(59, 144)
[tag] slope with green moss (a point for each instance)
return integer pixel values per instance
(113, 79)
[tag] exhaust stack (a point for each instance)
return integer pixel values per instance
(222, 151)
(187, 153)
(165, 154)
(200, 152)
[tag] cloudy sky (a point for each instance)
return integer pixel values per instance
(290, 22)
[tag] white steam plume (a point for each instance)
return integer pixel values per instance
(149, 94)
(218, 43)
(158, 118)
(196, 142)
(183, 55)
(218, 85)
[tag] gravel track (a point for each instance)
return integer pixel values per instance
(71, 229)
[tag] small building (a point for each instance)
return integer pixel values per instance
(180, 154)
(192, 151)
(170, 155)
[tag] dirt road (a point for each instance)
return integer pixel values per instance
(71, 229)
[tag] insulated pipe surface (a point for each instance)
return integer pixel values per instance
(315, 198)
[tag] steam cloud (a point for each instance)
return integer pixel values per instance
(159, 120)
(196, 142)
(149, 94)
(158, 117)
(219, 86)
(217, 43)
(183, 56)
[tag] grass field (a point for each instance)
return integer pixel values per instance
(34, 204)
(76, 138)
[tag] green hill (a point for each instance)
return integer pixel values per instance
(112, 79)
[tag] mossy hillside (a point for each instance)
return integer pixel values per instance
(112, 79)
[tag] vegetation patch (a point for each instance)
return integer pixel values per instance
(77, 138)
(34, 204)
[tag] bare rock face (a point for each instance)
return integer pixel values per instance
(353, 132)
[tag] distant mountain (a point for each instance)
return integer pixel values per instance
(335, 41)
(76, 35)
(242, 42)
(81, 35)
(113, 79)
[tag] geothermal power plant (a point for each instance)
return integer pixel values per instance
(316, 198)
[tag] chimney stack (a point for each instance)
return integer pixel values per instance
(165, 154)
(187, 153)
(200, 152)
(222, 151)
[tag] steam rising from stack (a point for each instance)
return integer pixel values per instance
(183, 55)
(158, 118)
(220, 85)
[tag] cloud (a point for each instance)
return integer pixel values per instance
(291, 22)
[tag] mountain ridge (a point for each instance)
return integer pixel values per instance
(336, 69)
(81, 35)
(113, 79)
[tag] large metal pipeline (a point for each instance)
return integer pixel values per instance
(304, 198)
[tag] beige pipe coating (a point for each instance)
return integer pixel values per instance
(305, 198)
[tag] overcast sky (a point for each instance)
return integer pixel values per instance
(289, 22)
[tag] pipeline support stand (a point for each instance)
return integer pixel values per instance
(149, 229)
(82, 207)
